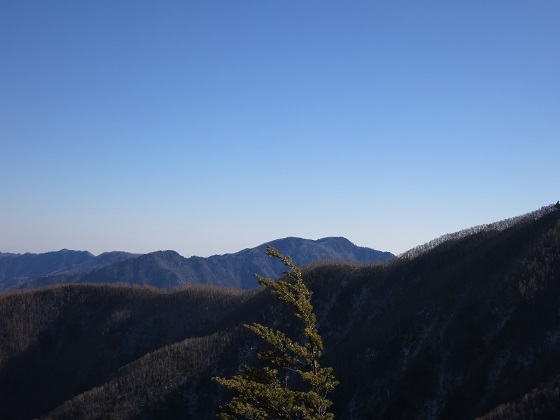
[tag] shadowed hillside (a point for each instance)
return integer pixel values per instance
(470, 327)
(58, 342)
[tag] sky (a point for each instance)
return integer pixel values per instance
(210, 126)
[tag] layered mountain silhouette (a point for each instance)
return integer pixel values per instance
(467, 326)
(169, 269)
(17, 270)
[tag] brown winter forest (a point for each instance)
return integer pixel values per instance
(464, 327)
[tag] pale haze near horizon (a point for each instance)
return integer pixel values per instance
(211, 126)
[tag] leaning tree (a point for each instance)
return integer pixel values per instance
(290, 384)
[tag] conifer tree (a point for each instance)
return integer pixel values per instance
(292, 384)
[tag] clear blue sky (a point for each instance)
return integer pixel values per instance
(209, 126)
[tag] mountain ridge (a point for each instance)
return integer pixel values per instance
(18, 269)
(168, 268)
(470, 328)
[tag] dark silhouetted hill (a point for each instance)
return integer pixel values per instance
(467, 328)
(60, 341)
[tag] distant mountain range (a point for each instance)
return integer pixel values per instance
(19, 270)
(169, 269)
(464, 327)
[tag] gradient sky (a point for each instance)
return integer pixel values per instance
(209, 126)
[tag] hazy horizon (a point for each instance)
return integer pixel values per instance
(210, 127)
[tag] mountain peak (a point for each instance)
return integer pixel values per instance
(168, 268)
(471, 327)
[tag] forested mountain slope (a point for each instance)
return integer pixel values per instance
(469, 327)
(60, 341)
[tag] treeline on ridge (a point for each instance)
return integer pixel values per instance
(468, 328)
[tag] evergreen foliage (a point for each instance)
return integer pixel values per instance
(292, 384)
